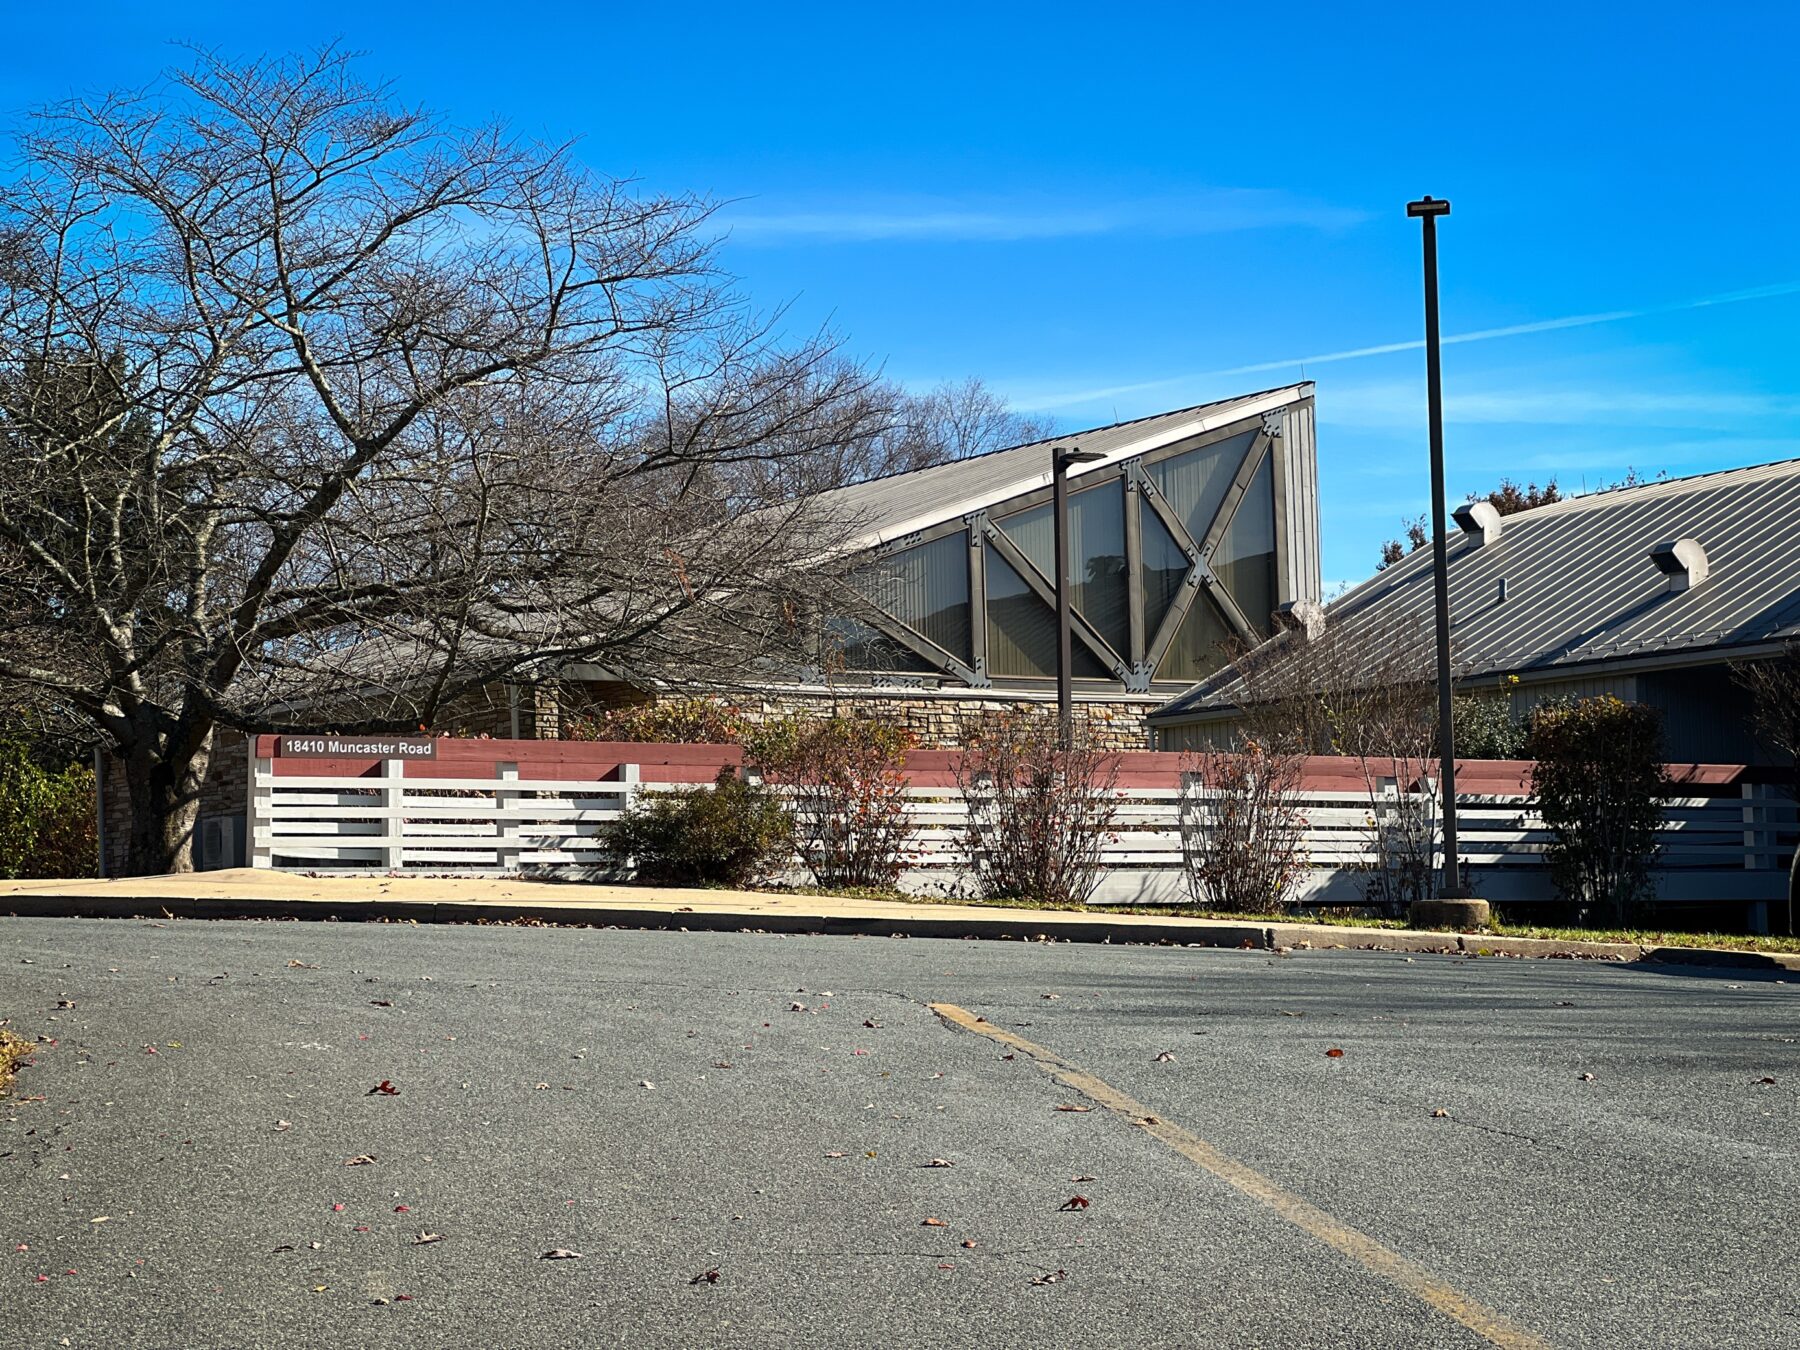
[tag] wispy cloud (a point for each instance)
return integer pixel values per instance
(941, 220)
(1070, 398)
(1392, 404)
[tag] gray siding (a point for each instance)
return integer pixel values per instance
(1297, 502)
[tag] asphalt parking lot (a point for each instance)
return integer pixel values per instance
(744, 1137)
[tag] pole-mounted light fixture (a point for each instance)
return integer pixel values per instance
(1427, 210)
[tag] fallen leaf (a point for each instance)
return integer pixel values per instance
(360, 1160)
(560, 1254)
(1054, 1277)
(968, 1242)
(706, 1277)
(1440, 1114)
(1334, 1053)
(65, 1003)
(1074, 1202)
(385, 1088)
(403, 1298)
(946, 1265)
(721, 1064)
(871, 1024)
(1082, 1177)
(934, 1223)
(1067, 1107)
(1145, 1121)
(424, 1238)
(403, 1209)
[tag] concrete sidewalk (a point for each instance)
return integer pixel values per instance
(261, 893)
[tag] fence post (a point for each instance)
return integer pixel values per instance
(259, 810)
(393, 801)
(506, 827)
(1754, 817)
(630, 775)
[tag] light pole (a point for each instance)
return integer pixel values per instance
(1427, 210)
(1061, 457)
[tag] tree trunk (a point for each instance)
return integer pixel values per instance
(163, 788)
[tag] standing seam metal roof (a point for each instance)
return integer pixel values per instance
(1580, 586)
(885, 508)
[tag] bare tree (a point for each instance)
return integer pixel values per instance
(1774, 688)
(318, 409)
(1243, 835)
(1364, 689)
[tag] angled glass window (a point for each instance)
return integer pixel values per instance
(927, 589)
(1200, 644)
(1096, 555)
(1022, 629)
(1245, 558)
(850, 644)
(1196, 482)
(1165, 570)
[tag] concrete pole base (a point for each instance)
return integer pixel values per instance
(1455, 915)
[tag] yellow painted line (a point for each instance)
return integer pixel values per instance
(1357, 1245)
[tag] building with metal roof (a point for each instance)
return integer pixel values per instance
(1189, 531)
(1648, 593)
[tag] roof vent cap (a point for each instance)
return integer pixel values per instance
(1306, 617)
(1682, 561)
(1479, 520)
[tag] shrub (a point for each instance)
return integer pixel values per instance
(846, 791)
(47, 826)
(1038, 815)
(1485, 728)
(1243, 841)
(729, 834)
(1599, 782)
(686, 721)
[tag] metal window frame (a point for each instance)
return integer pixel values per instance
(1134, 670)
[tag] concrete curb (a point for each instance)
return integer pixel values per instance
(1029, 925)
(905, 921)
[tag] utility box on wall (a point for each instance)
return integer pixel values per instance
(220, 842)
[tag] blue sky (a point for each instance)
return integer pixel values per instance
(1105, 212)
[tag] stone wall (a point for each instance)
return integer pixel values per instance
(941, 721)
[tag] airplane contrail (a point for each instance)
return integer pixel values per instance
(1779, 288)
